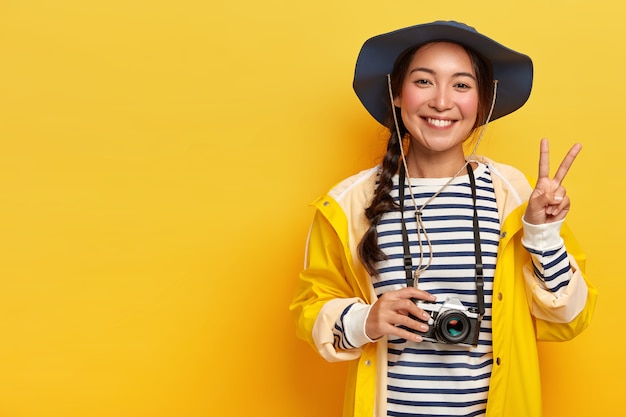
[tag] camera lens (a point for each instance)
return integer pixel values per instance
(453, 327)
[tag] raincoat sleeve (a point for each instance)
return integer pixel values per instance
(324, 291)
(562, 316)
(557, 317)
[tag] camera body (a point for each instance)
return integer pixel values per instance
(451, 322)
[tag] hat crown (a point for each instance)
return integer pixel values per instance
(454, 23)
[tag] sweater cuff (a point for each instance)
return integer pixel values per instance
(354, 324)
(542, 237)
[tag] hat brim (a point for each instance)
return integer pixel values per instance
(513, 70)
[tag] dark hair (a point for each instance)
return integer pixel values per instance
(382, 202)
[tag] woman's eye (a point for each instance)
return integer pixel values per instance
(462, 86)
(421, 82)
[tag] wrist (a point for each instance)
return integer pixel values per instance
(542, 237)
(354, 325)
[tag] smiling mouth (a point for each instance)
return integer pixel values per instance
(439, 122)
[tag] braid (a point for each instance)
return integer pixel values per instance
(369, 251)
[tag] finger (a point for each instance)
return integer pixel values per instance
(558, 211)
(558, 195)
(539, 201)
(544, 159)
(410, 322)
(551, 201)
(567, 162)
(408, 309)
(411, 292)
(407, 327)
(406, 335)
(407, 295)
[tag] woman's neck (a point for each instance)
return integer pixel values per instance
(435, 164)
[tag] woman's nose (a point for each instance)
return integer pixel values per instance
(441, 100)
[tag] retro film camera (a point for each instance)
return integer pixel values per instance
(451, 322)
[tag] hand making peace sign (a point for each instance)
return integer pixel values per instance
(548, 202)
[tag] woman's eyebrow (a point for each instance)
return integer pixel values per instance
(430, 71)
(422, 69)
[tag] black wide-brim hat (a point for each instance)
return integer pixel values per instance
(513, 70)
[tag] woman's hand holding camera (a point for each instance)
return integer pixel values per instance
(392, 310)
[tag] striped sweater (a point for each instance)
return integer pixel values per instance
(435, 379)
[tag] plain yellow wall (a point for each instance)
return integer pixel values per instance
(157, 159)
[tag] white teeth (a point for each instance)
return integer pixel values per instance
(439, 123)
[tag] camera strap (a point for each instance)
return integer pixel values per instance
(408, 260)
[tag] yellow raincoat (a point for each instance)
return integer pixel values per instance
(523, 312)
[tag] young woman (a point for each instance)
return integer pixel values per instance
(436, 273)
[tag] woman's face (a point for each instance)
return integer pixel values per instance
(439, 97)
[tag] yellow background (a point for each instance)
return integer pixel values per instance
(157, 159)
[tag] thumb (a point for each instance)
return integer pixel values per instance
(539, 199)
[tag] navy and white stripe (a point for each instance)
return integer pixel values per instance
(341, 340)
(552, 267)
(426, 379)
